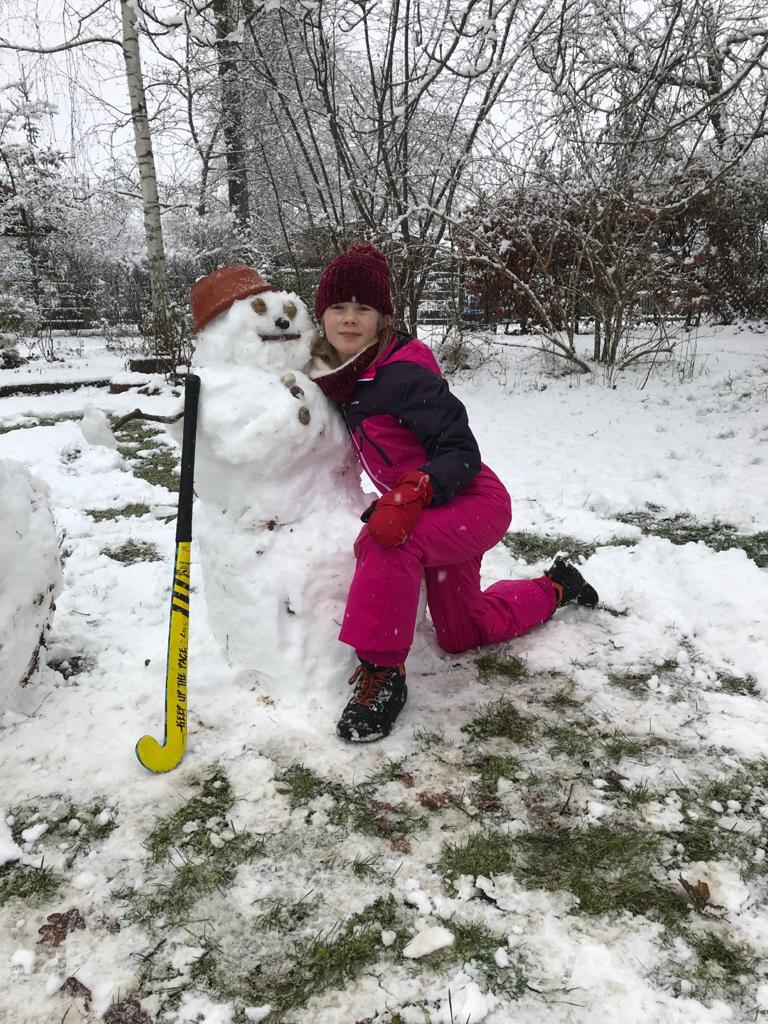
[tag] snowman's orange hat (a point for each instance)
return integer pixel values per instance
(215, 293)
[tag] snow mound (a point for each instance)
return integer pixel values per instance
(30, 574)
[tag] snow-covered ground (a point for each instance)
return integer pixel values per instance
(571, 826)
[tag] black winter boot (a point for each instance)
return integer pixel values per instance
(570, 584)
(380, 693)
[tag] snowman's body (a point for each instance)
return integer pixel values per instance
(280, 499)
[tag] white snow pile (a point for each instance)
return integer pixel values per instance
(30, 574)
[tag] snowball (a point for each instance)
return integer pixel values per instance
(33, 833)
(84, 881)
(53, 984)
(257, 1013)
(25, 959)
(428, 941)
(418, 899)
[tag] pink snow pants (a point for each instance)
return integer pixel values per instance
(447, 546)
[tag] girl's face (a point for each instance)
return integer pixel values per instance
(350, 327)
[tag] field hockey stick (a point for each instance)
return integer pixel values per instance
(166, 756)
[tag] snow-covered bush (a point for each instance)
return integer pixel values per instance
(30, 574)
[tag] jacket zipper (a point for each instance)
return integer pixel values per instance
(359, 450)
(373, 444)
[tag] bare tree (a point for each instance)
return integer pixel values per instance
(163, 328)
(382, 108)
(639, 114)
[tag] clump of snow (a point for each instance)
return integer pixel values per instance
(33, 833)
(9, 851)
(428, 941)
(25, 959)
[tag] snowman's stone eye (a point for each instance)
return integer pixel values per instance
(289, 309)
(258, 305)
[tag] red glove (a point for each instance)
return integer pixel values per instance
(394, 515)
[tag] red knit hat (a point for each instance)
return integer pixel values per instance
(361, 274)
(216, 292)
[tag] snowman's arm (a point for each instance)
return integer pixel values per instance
(137, 414)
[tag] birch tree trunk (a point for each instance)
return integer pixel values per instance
(153, 230)
(227, 53)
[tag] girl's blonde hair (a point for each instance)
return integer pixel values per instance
(324, 351)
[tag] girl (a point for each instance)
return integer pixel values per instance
(440, 508)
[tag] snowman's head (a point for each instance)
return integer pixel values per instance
(271, 331)
(242, 320)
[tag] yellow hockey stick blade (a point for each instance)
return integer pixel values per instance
(163, 757)
(158, 758)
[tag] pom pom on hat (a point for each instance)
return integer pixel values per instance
(215, 293)
(361, 274)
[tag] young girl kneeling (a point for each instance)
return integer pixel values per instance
(440, 508)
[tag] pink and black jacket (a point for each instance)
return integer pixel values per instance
(401, 415)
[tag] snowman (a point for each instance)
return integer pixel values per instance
(279, 493)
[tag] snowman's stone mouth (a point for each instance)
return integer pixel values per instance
(279, 337)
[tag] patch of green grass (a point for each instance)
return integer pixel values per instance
(81, 827)
(562, 701)
(301, 785)
(476, 945)
(42, 421)
(490, 769)
(501, 718)
(718, 967)
(571, 739)
(134, 511)
(635, 683)
(361, 812)
(284, 916)
(744, 686)
(355, 807)
(426, 740)
(609, 870)
(618, 746)
(486, 853)
(171, 902)
(637, 796)
(133, 551)
(389, 772)
(211, 804)
(32, 884)
(534, 547)
(720, 961)
(683, 528)
(365, 867)
(152, 456)
(330, 959)
(703, 838)
(492, 666)
(206, 853)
